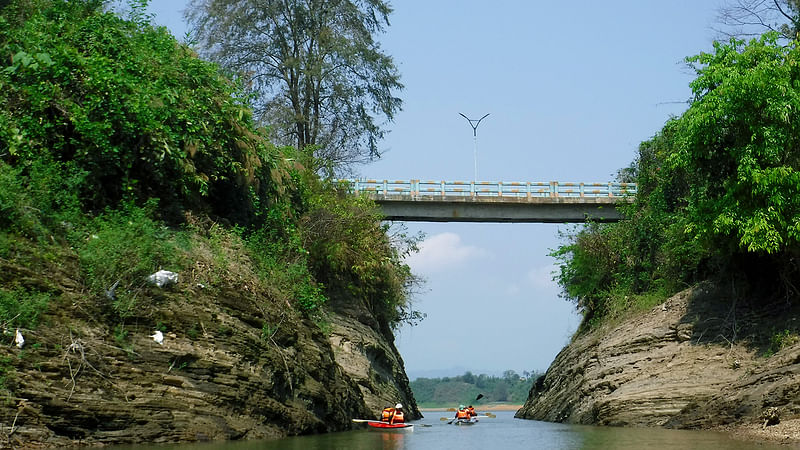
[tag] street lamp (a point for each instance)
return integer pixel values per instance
(474, 124)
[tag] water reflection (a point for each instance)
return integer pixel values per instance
(393, 440)
(503, 432)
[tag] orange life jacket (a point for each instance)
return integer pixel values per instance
(472, 412)
(462, 414)
(397, 417)
(386, 414)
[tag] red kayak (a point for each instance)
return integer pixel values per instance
(377, 424)
(389, 426)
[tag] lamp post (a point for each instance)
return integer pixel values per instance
(474, 124)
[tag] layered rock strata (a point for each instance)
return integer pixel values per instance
(693, 362)
(233, 365)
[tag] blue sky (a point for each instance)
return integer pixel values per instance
(572, 88)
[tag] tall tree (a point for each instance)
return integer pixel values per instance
(750, 18)
(318, 76)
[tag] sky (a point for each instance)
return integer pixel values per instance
(571, 89)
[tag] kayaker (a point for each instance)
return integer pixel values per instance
(462, 413)
(471, 411)
(387, 413)
(397, 417)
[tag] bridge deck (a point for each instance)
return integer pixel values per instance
(456, 201)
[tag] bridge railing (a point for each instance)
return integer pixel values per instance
(389, 189)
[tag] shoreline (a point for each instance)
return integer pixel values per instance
(496, 407)
(787, 432)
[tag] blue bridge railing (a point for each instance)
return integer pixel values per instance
(388, 189)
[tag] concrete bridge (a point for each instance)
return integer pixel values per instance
(484, 201)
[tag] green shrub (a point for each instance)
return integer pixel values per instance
(283, 263)
(136, 111)
(39, 200)
(123, 248)
(21, 307)
(6, 371)
(780, 340)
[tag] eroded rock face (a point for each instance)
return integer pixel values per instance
(374, 364)
(231, 366)
(689, 363)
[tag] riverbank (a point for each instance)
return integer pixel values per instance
(698, 361)
(786, 432)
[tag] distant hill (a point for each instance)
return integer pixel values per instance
(449, 372)
(464, 389)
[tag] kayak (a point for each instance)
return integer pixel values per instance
(390, 426)
(378, 425)
(472, 421)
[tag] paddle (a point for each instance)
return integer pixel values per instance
(450, 419)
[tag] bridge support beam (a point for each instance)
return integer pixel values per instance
(545, 210)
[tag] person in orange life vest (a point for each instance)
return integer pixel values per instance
(386, 414)
(471, 411)
(462, 413)
(397, 417)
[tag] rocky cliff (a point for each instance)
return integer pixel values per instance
(697, 361)
(365, 350)
(235, 363)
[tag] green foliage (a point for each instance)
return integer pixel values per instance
(284, 264)
(267, 331)
(111, 130)
(719, 190)
(329, 244)
(38, 199)
(21, 307)
(120, 335)
(739, 140)
(136, 112)
(781, 340)
(121, 250)
(193, 332)
(464, 389)
(6, 371)
(351, 252)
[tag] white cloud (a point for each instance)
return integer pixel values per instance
(441, 252)
(513, 289)
(542, 277)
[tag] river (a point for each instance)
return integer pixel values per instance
(500, 433)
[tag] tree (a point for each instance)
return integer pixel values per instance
(750, 18)
(718, 192)
(318, 77)
(739, 140)
(510, 376)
